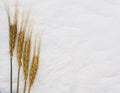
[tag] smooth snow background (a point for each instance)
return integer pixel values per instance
(80, 46)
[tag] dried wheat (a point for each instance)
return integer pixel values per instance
(12, 27)
(26, 57)
(34, 67)
(20, 47)
(12, 35)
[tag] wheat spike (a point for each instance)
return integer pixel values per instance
(33, 71)
(21, 39)
(19, 52)
(12, 35)
(26, 54)
(26, 57)
(12, 27)
(34, 67)
(20, 46)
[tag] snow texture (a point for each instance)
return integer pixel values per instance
(80, 50)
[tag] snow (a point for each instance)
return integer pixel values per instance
(80, 46)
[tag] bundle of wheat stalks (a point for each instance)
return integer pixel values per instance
(21, 38)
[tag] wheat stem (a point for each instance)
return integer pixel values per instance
(10, 74)
(29, 90)
(25, 86)
(18, 81)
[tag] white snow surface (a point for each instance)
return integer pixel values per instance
(80, 50)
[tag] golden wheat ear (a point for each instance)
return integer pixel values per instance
(19, 55)
(12, 30)
(13, 26)
(12, 36)
(33, 68)
(35, 64)
(27, 56)
(20, 44)
(26, 61)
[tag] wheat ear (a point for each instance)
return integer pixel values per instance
(26, 57)
(19, 52)
(20, 43)
(12, 35)
(34, 67)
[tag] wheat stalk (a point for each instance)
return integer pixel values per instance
(12, 35)
(26, 57)
(34, 67)
(19, 54)
(20, 43)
